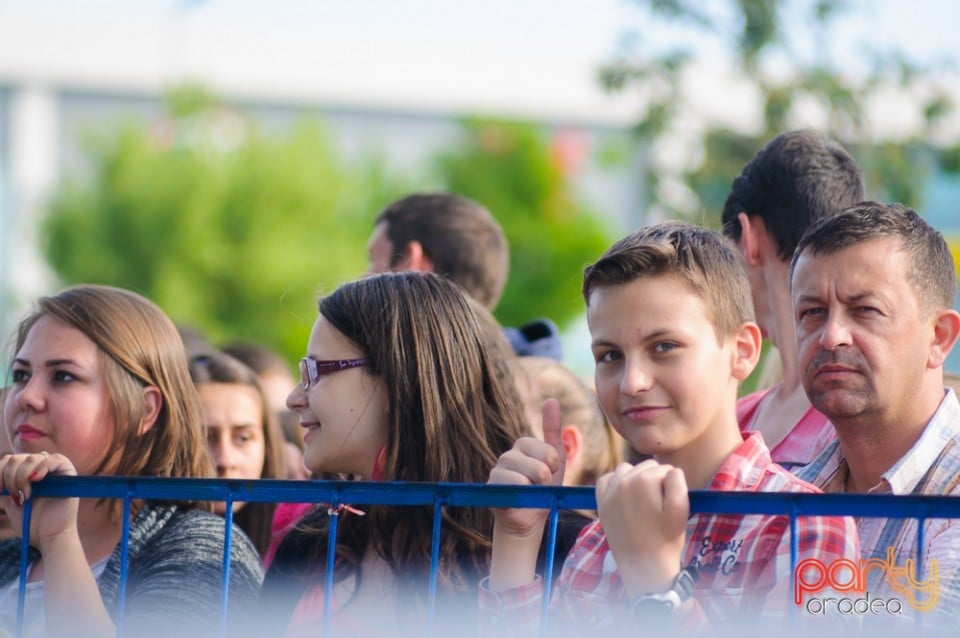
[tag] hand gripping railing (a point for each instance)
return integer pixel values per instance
(438, 495)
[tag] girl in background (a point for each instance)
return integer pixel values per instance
(241, 434)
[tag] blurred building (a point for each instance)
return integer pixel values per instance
(65, 74)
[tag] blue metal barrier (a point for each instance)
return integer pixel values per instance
(438, 495)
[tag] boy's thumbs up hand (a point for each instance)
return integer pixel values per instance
(552, 426)
(517, 532)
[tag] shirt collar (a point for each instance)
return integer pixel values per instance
(943, 426)
(744, 467)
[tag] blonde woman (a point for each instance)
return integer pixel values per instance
(99, 386)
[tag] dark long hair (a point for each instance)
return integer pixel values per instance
(450, 417)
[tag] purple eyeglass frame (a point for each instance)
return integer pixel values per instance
(312, 369)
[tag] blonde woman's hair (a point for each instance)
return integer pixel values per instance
(138, 347)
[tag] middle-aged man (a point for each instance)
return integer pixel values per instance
(873, 290)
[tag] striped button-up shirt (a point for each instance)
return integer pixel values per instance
(931, 467)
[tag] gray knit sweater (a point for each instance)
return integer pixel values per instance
(174, 572)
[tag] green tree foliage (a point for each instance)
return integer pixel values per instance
(510, 167)
(791, 73)
(236, 232)
(229, 230)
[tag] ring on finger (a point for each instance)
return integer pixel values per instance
(21, 497)
(45, 454)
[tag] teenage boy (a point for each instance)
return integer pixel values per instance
(673, 334)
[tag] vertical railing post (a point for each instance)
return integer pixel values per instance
(124, 561)
(794, 559)
(227, 551)
(24, 564)
(548, 567)
(334, 512)
(919, 567)
(434, 563)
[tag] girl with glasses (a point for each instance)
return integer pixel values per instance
(99, 386)
(399, 385)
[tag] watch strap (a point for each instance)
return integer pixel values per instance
(671, 600)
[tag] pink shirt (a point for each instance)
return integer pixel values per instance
(810, 436)
(284, 518)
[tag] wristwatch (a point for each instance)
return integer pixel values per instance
(663, 604)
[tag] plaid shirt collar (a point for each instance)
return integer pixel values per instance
(743, 469)
(943, 426)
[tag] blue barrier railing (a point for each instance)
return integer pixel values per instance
(438, 495)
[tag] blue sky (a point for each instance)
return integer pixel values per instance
(511, 56)
(586, 29)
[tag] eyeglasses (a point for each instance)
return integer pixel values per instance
(312, 369)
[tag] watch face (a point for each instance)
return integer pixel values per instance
(652, 607)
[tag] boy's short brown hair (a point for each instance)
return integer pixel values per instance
(702, 258)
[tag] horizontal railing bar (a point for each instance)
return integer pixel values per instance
(479, 495)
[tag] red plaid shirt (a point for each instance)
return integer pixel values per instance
(744, 561)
